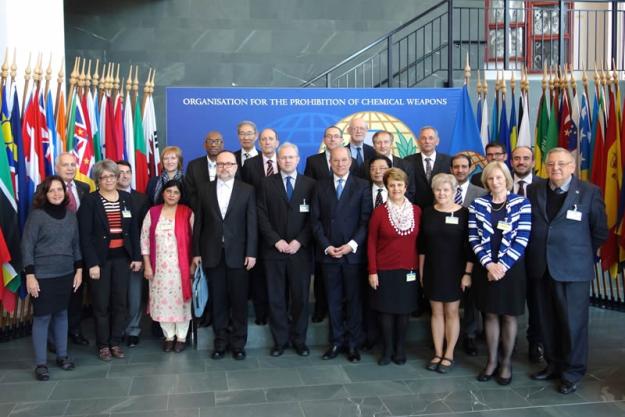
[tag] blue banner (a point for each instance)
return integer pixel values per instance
(300, 115)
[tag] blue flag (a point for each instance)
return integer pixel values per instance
(504, 132)
(494, 122)
(585, 133)
(466, 135)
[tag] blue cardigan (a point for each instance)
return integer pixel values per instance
(513, 242)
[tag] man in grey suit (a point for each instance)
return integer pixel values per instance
(568, 226)
(465, 194)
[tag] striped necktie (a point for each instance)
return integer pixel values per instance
(269, 167)
(458, 196)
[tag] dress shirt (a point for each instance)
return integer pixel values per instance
(293, 177)
(353, 149)
(527, 180)
(273, 163)
(432, 161)
(224, 191)
(464, 187)
(374, 193)
(74, 191)
(352, 243)
(212, 169)
(328, 156)
(252, 153)
(564, 187)
(128, 190)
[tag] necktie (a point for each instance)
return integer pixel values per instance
(339, 188)
(559, 190)
(458, 196)
(378, 198)
(428, 168)
(359, 159)
(246, 155)
(289, 188)
(521, 190)
(269, 168)
(73, 205)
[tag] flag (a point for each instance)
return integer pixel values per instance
(551, 140)
(71, 122)
(8, 273)
(118, 121)
(46, 144)
(584, 139)
(61, 126)
(593, 128)
(22, 190)
(7, 133)
(525, 137)
(53, 137)
(484, 131)
(141, 151)
(575, 116)
(111, 151)
(494, 121)
(102, 129)
(129, 138)
(504, 132)
(151, 134)
(466, 136)
(83, 147)
(478, 112)
(94, 119)
(597, 171)
(33, 151)
(609, 250)
(513, 134)
(542, 128)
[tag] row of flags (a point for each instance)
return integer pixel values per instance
(99, 120)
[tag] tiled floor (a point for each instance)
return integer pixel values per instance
(154, 384)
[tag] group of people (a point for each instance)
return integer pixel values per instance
(384, 237)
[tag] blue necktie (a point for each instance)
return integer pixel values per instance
(339, 188)
(359, 159)
(289, 188)
(458, 197)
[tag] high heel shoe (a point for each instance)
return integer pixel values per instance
(504, 381)
(484, 377)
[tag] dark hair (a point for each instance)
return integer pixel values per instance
(495, 145)
(378, 157)
(382, 132)
(460, 156)
(40, 199)
(173, 183)
(124, 163)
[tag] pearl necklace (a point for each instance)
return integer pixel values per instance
(401, 217)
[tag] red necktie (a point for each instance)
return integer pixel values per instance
(73, 205)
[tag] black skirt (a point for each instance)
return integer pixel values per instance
(54, 295)
(506, 296)
(395, 295)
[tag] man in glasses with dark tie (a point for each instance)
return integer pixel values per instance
(246, 131)
(360, 151)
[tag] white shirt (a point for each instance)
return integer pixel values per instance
(293, 177)
(74, 191)
(527, 180)
(224, 191)
(273, 163)
(374, 193)
(464, 188)
(328, 155)
(252, 153)
(433, 160)
(212, 169)
(352, 242)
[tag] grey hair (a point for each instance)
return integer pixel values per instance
(289, 145)
(246, 122)
(444, 178)
(104, 165)
(430, 128)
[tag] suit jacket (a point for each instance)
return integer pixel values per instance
(140, 206)
(254, 171)
(401, 164)
(476, 180)
(237, 155)
(238, 229)
(367, 150)
(82, 189)
(95, 234)
(424, 197)
(563, 246)
(279, 218)
(368, 153)
(473, 192)
(196, 175)
(317, 167)
(335, 222)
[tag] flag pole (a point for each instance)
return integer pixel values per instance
(37, 73)
(88, 78)
(48, 75)
(116, 85)
(73, 78)
(129, 88)
(5, 67)
(81, 79)
(135, 87)
(96, 81)
(484, 87)
(14, 67)
(26, 82)
(59, 84)
(467, 72)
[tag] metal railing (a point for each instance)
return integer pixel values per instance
(431, 49)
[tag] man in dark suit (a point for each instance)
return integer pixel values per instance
(359, 150)
(568, 227)
(225, 242)
(139, 209)
(522, 167)
(340, 214)
(494, 152)
(66, 167)
(465, 194)
(203, 169)
(286, 249)
(255, 169)
(426, 164)
(246, 131)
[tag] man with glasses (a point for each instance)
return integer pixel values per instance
(225, 245)
(246, 131)
(359, 150)
(203, 169)
(494, 152)
(568, 227)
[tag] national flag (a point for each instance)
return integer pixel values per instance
(7, 133)
(33, 151)
(541, 133)
(22, 189)
(71, 122)
(504, 132)
(102, 129)
(151, 134)
(493, 135)
(551, 140)
(484, 130)
(129, 138)
(465, 136)
(478, 111)
(597, 172)
(94, 119)
(525, 136)
(118, 112)
(55, 146)
(585, 138)
(83, 148)
(61, 122)
(593, 128)
(8, 273)
(46, 140)
(575, 116)
(110, 145)
(514, 130)
(141, 171)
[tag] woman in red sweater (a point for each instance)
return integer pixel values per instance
(392, 252)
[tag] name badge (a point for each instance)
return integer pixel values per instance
(304, 208)
(126, 214)
(574, 215)
(504, 226)
(451, 220)
(411, 276)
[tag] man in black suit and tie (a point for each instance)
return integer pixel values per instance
(359, 150)
(246, 130)
(426, 164)
(225, 244)
(263, 165)
(494, 152)
(140, 206)
(203, 169)
(286, 249)
(568, 226)
(66, 167)
(340, 214)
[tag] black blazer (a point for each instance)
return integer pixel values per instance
(424, 197)
(237, 155)
(140, 206)
(336, 222)
(566, 247)
(317, 167)
(404, 166)
(94, 229)
(151, 189)
(254, 171)
(279, 218)
(194, 178)
(367, 150)
(238, 229)
(82, 189)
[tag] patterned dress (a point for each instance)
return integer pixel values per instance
(166, 303)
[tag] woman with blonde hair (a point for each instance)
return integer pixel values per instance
(171, 163)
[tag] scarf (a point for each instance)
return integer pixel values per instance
(162, 180)
(182, 232)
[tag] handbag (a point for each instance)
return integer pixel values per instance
(199, 292)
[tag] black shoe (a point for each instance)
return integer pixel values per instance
(318, 317)
(218, 354)
(302, 350)
(261, 322)
(484, 377)
(238, 355)
(544, 375)
(384, 360)
(353, 355)
(65, 364)
(442, 368)
(133, 341)
(503, 381)
(78, 339)
(368, 346)
(469, 346)
(331, 353)
(41, 373)
(567, 387)
(433, 364)
(399, 360)
(277, 351)
(535, 353)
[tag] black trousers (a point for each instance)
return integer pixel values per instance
(343, 282)
(563, 315)
(533, 323)
(228, 288)
(471, 315)
(321, 304)
(109, 295)
(258, 290)
(74, 309)
(286, 279)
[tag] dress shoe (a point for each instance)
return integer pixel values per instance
(433, 364)
(318, 317)
(218, 354)
(261, 322)
(117, 352)
(484, 377)
(503, 381)
(105, 354)
(444, 369)
(368, 346)
(384, 360)
(567, 387)
(544, 375)
(41, 373)
(399, 360)
(78, 339)
(301, 349)
(353, 355)
(469, 346)
(331, 353)
(133, 341)
(168, 345)
(238, 355)
(277, 351)
(65, 364)
(179, 346)
(535, 353)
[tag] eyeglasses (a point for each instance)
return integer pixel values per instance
(333, 136)
(247, 134)
(559, 164)
(108, 177)
(225, 164)
(214, 142)
(496, 154)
